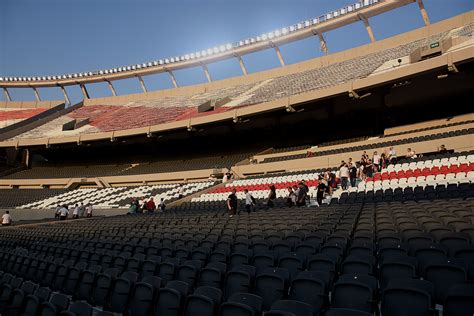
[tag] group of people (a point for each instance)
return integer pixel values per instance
(138, 206)
(62, 212)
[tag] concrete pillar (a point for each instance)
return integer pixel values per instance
(84, 91)
(66, 97)
(206, 72)
(280, 57)
(367, 27)
(142, 83)
(323, 44)
(423, 12)
(7, 94)
(112, 88)
(242, 65)
(37, 96)
(173, 78)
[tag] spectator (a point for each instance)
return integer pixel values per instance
(89, 210)
(63, 212)
(383, 161)
(291, 199)
(75, 212)
(369, 168)
(361, 173)
(56, 212)
(411, 154)
(376, 161)
(232, 203)
(309, 153)
(150, 205)
(249, 201)
(321, 188)
(344, 174)
(392, 156)
(180, 192)
(301, 197)
(224, 178)
(6, 219)
(82, 209)
(134, 207)
(162, 205)
(271, 196)
(442, 149)
(352, 174)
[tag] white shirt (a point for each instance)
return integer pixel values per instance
(89, 209)
(344, 171)
(76, 211)
(181, 191)
(376, 159)
(248, 199)
(6, 219)
(63, 211)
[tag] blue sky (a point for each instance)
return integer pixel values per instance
(52, 37)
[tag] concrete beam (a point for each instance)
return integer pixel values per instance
(7, 94)
(37, 96)
(173, 78)
(242, 65)
(66, 97)
(142, 83)
(280, 56)
(206, 72)
(423, 12)
(323, 44)
(367, 27)
(84, 91)
(112, 88)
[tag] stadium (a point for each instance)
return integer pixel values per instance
(339, 185)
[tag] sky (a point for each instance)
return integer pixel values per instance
(53, 37)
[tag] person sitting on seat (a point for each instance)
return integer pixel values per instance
(6, 219)
(162, 205)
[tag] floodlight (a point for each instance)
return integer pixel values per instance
(264, 37)
(192, 56)
(357, 5)
(335, 13)
(15, 79)
(172, 60)
(343, 11)
(149, 64)
(252, 40)
(80, 74)
(28, 79)
(198, 55)
(64, 76)
(307, 23)
(75, 75)
(292, 28)
(145, 65)
(1, 78)
(90, 73)
(134, 67)
(284, 30)
(247, 41)
(242, 43)
(155, 63)
(228, 46)
(277, 33)
(160, 62)
(259, 38)
(271, 35)
(204, 53)
(350, 8)
(54, 77)
(49, 77)
(182, 58)
(129, 68)
(138, 66)
(222, 48)
(315, 21)
(167, 61)
(329, 16)
(299, 26)
(33, 78)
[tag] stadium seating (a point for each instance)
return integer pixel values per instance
(115, 197)
(171, 108)
(9, 116)
(281, 260)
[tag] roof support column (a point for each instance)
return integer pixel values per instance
(173, 78)
(7, 94)
(37, 96)
(206, 72)
(242, 65)
(112, 88)
(322, 43)
(65, 95)
(84, 91)
(142, 83)
(280, 57)
(367, 27)
(423, 12)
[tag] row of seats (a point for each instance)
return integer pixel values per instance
(353, 256)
